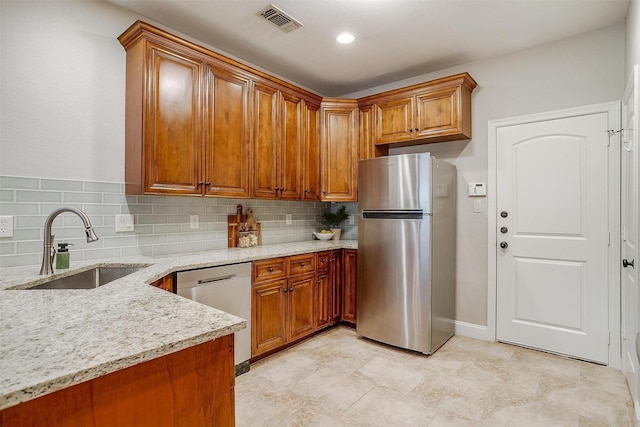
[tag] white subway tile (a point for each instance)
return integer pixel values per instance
(61, 184)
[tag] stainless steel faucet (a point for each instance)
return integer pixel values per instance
(48, 251)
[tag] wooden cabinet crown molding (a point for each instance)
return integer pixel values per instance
(140, 29)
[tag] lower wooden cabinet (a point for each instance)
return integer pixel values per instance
(336, 286)
(166, 283)
(300, 319)
(296, 296)
(191, 387)
(349, 285)
(268, 314)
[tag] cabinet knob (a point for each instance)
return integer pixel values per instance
(302, 264)
(270, 269)
(410, 130)
(324, 192)
(285, 290)
(416, 129)
(504, 245)
(318, 281)
(207, 183)
(200, 183)
(323, 260)
(290, 289)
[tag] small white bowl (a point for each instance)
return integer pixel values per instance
(324, 236)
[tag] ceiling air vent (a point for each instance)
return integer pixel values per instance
(280, 19)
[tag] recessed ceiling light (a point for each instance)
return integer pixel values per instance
(345, 38)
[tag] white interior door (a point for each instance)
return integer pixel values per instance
(552, 261)
(629, 232)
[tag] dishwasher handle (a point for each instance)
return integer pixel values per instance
(216, 279)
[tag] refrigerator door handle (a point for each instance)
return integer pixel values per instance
(409, 214)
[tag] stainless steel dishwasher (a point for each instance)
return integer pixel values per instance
(227, 288)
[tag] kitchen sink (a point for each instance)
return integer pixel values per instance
(89, 279)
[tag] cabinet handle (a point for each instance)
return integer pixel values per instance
(200, 183)
(207, 183)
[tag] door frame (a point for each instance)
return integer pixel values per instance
(613, 110)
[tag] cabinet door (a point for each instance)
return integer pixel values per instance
(290, 148)
(322, 299)
(173, 145)
(300, 314)
(336, 286)
(349, 285)
(394, 121)
(311, 152)
(438, 113)
(265, 140)
(227, 151)
(268, 316)
(339, 153)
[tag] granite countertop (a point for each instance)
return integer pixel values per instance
(53, 339)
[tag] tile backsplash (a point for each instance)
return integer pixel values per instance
(162, 223)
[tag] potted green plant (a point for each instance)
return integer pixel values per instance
(334, 219)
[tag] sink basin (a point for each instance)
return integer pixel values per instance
(89, 279)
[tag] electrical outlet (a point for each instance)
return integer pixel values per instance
(352, 219)
(194, 221)
(288, 219)
(6, 226)
(124, 223)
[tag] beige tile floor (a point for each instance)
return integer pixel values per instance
(336, 379)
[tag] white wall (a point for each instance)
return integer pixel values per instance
(62, 93)
(582, 70)
(632, 43)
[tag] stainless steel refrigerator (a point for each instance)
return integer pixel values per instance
(407, 251)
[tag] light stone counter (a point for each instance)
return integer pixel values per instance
(53, 339)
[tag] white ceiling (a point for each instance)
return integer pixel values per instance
(395, 39)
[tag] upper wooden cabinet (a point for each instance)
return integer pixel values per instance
(435, 111)
(198, 123)
(311, 175)
(163, 151)
(285, 142)
(227, 134)
(339, 150)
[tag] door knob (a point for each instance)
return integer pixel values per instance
(504, 245)
(626, 263)
(504, 230)
(504, 214)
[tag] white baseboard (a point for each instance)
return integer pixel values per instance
(471, 330)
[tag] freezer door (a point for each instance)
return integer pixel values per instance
(395, 183)
(394, 281)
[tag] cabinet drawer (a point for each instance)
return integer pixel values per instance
(275, 268)
(299, 264)
(323, 260)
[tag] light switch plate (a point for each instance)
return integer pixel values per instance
(6, 226)
(124, 223)
(477, 206)
(194, 221)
